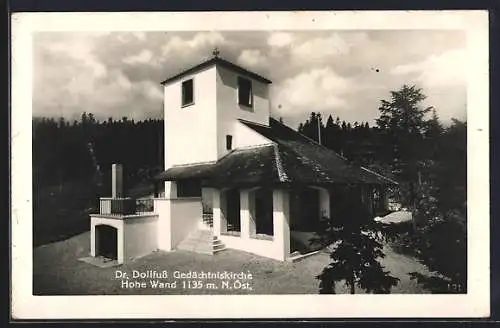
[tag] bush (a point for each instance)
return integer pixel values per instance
(442, 247)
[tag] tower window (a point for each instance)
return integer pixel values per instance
(245, 96)
(229, 142)
(187, 92)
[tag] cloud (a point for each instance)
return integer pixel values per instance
(151, 90)
(279, 39)
(252, 58)
(325, 48)
(70, 77)
(443, 78)
(443, 70)
(76, 49)
(145, 56)
(118, 74)
(318, 49)
(140, 35)
(195, 43)
(313, 90)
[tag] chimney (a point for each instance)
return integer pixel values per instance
(117, 181)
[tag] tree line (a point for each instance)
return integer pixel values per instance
(85, 149)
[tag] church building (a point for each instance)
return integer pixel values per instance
(234, 177)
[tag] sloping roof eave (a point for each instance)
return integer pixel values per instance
(185, 172)
(216, 61)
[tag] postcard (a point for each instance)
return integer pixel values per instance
(226, 165)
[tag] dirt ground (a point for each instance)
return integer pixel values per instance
(58, 271)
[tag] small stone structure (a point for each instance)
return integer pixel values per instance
(117, 204)
(116, 181)
(118, 232)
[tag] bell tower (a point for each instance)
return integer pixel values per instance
(202, 106)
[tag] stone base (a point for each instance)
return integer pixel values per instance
(202, 242)
(297, 257)
(99, 261)
(134, 235)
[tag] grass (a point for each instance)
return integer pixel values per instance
(60, 212)
(57, 271)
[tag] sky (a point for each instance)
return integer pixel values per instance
(339, 73)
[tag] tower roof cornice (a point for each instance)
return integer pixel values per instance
(216, 60)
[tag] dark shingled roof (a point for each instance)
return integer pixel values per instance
(245, 167)
(221, 62)
(291, 158)
(195, 171)
(305, 160)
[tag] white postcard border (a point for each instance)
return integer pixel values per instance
(473, 304)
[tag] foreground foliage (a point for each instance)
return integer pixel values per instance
(356, 245)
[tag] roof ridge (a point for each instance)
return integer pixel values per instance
(311, 140)
(225, 155)
(255, 123)
(255, 146)
(193, 164)
(282, 176)
(380, 175)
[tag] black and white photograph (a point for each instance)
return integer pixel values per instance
(279, 162)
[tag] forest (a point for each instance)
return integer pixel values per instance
(85, 149)
(72, 162)
(410, 144)
(72, 167)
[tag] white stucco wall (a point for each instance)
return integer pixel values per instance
(186, 217)
(278, 248)
(96, 220)
(281, 221)
(140, 236)
(177, 218)
(244, 136)
(229, 111)
(136, 234)
(266, 248)
(162, 206)
(190, 132)
(218, 205)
